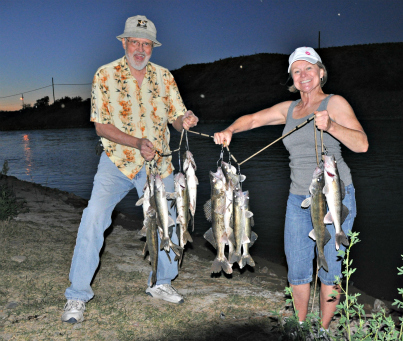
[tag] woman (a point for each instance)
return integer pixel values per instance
(336, 118)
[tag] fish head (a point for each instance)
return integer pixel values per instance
(317, 180)
(239, 197)
(180, 180)
(227, 169)
(216, 181)
(158, 183)
(330, 166)
(189, 160)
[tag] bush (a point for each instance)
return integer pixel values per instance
(9, 206)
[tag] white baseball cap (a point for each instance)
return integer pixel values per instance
(304, 53)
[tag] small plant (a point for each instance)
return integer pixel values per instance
(352, 323)
(9, 206)
(5, 169)
(292, 329)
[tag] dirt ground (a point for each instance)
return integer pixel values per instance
(35, 255)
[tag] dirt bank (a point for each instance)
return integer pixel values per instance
(36, 250)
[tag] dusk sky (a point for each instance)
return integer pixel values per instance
(69, 40)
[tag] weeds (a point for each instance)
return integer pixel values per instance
(9, 206)
(352, 322)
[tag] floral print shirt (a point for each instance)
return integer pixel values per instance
(143, 112)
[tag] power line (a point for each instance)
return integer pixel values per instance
(76, 84)
(44, 87)
(25, 92)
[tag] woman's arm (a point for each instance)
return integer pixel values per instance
(340, 121)
(274, 115)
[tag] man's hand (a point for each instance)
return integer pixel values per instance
(146, 149)
(189, 120)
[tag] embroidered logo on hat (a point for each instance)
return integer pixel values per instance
(142, 24)
(307, 52)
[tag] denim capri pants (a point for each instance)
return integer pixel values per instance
(300, 248)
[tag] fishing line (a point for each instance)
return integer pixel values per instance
(280, 138)
(205, 135)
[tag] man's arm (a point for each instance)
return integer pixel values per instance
(113, 134)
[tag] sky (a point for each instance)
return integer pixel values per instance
(69, 40)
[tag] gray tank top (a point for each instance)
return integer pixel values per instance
(301, 146)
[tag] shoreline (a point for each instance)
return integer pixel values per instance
(199, 248)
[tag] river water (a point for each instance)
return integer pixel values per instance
(66, 159)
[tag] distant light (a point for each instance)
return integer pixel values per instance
(240, 67)
(62, 106)
(202, 96)
(338, 14)
(21, 98)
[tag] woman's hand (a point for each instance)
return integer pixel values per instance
(224, 137)
(323, 120)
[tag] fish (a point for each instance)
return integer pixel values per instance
(164, 220)
(151, 245)
(233, 179)
(189, 167)
(145, 200)
(244, 236)
(214, 211)
(317, 201)
(334, 191)
(228, 217)
(182, 208)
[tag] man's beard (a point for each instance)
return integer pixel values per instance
(136, 65)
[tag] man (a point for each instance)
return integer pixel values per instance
(132, 102)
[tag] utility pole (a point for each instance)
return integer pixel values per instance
(319, 41)
(22, 99)
(53, 87)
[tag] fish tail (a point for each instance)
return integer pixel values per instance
(234, 257)
(246, 259)
(187, 237)
(219, 265)
(322, 263)
(341, 238)
(176, 249)
(143, 231)
(165, 244)
(153, 278)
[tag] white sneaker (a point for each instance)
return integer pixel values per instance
(165, 292)
(73, 311)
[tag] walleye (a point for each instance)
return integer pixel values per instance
(243, 222)
(232, 178)
(334, 191)
(163, 219)
(214, 210)
(150, 224)
(182, 209)
(317, 202)
(189, 167)
(145, 200)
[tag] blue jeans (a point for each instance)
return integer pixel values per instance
(110, 187)
(300, 248)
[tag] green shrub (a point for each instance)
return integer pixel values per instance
(9, 206)
(352, 322)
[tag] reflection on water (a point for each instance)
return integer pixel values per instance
(27, 153)
(66, 159)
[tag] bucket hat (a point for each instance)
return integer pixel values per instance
(304, 53)
(140, 27)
